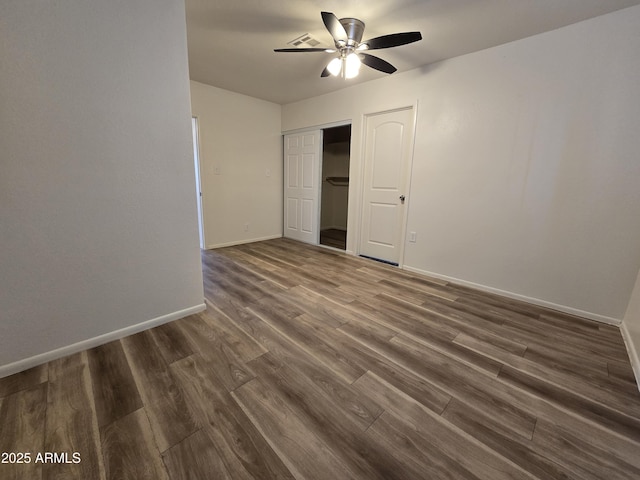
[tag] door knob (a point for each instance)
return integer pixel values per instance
(402, 198)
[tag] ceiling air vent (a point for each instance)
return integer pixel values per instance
(304, 41)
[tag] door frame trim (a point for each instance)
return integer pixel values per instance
(199, 186)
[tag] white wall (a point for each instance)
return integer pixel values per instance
(526, 173)
(240, 164)
(98, 229)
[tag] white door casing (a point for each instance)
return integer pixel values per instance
(196, 160)
(388, 153)
(302, 186)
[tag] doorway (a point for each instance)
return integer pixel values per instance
(336, 146)
(388, 153)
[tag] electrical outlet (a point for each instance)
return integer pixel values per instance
(267, 172)
(246, 227)
(412, 237)
(216, 170)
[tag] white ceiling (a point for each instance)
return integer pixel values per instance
(231, 42)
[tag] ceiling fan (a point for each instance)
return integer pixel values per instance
(347, 36)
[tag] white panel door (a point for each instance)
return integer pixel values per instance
(302, 185)
(388, 152)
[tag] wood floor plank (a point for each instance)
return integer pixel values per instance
(347, 403)
(285, 352)
(439, 434)
(416, 295)
(171, 342)
(564, 361)
(569, 323)
(329, 423)
(404, 278)
(516, 448)
(196, 458)
(621, 370)
(580, 456)
(331, 313)
(23, 380)
(625, 424)
(240, 291)
(130, 451)
(304, 276)
(407, 446)
(453, 324)
(525, 323)
(214, 347)
(170, 416)
(597, 391)
(569, 355)
(428, 394)
(114, 390)
(238, 448)
(401, 317)
(304, 454)
(244, 346)
(22, 430)
(71, 421)
(442, 371)
(277, 306)
(296, 331)
(537, 340)
(264, 270)
(274, 254)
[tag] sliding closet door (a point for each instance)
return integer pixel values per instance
(302, 186)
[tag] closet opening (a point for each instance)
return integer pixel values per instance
(336, 146)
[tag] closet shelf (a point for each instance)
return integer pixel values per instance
(338, 181)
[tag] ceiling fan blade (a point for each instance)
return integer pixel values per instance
(377, 63)
(302, 50)
(392, 40)
(334, 26)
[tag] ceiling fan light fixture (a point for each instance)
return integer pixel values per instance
(335, 66)
(347, 38)
(352, 65)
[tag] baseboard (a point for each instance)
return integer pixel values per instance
(242, 242)
(36, 360)
(516, 296)
(632, 352)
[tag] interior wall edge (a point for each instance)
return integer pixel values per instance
(516, 296)
(30, 362)
(632, 352)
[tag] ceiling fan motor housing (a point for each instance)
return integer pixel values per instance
(354, 29)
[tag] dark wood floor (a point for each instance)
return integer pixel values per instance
(312, 364)
(333, 237)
